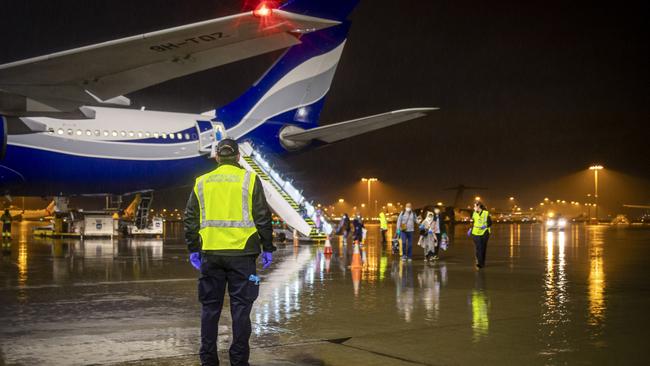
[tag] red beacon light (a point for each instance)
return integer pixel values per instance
(263, 10)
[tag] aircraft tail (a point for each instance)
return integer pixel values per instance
(49, 210)
(292, 91)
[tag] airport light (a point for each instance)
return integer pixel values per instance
(370, 181)
(341, 200)
(439, 204)
(596, 168)
(477, 198)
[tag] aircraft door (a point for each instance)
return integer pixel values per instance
(210, 133)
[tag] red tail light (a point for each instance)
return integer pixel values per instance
(263, 10)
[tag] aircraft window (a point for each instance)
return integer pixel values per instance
(179, 135)
(106, 133)
(114, 133)
(89, 133)
(155, 135)
(131, 134)
(187, 136)
(59, 131)
(79, 132)
(123, 133)
(70, 131)
(97, 133)
(172, 136)
(147, 134)
(164, 135)
(139, 133)
(193, 136)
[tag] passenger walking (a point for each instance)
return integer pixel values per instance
(383, 226)
(6, 224)
(428, 240)
(439, 230)
(227, 222)
(318, 221)
(358, 228)
(480, 232)
(344, 227)
(406, 224)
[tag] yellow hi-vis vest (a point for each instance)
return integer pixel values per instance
(383, 223)
(225, 198)
(479, 221)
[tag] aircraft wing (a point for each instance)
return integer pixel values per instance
(59, 84)
(343, 130)
(645, 207)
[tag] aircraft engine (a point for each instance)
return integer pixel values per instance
(291, 145)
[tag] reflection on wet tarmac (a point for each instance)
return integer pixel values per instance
(597, 304)
(480, 304)
(546, 291)
(555, 318)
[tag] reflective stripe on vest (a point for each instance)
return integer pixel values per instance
(479, 221)
(225, 197)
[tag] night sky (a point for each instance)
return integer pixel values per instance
(531, 93)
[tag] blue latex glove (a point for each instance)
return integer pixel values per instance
(430, 231)
(399, 232)
(469, 232)
(483, 227)
(267, 258)
(195, 259)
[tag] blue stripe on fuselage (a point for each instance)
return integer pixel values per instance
(71, 175)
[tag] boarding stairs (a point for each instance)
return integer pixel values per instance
(142, 212)
(285, 200)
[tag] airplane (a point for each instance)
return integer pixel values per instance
(643, 207)
(33, 215)
(65, 129)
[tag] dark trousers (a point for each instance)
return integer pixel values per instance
(383, 236)
(436, 249)
(216, 272)
(480, 243)
(6, 229)
(407, 244)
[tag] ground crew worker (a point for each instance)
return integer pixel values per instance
(383, 226)
(480, 232)
(6, 224)
(227, 221)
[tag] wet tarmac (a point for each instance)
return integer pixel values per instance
(579, 297)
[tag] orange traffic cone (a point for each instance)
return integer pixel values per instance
(356, 256)
(356, 280)
(328, 261)
(295, 238)
(328, 247)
